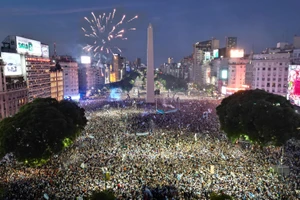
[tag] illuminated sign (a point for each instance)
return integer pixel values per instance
(207, 56)
(13, 66)
(216, 53)
(224, 74)
(85, 60)
(223, 89)
(112, 77)
(28, 46)
(294, 84)
(237, 53)
(37, 59)
(45, 51)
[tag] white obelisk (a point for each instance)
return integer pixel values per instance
(150, 67)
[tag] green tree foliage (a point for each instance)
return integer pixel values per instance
(38, 130)
(222, 196)
(126, 84)
(261, 117)
(171, 82)
(103, 195)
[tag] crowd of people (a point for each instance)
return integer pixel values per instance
(148, 155)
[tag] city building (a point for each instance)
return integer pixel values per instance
(170, 60)
(13, 90)
(31, 60)
(118, 67)
(229, 73)
(231, 42)
(70, 76)
(249, 73)
(202, 54)
(38, 77)
(57, 82)
(187, 65)
(296, 42)
(236, 74)
(270, 71)
(86, 77)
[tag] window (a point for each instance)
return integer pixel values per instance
(268, 84)
(264, 69)
(273, 85)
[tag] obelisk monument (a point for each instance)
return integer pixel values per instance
(150, 67)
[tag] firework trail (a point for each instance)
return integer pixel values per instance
(104, 31)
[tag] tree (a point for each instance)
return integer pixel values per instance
(39, 129)
(103, 195)
(126, 84)
(261, 117)
(222, 196)
(172, 83)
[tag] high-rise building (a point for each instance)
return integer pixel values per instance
(117, 66)
(57, 82)
(170, 60)
(38, 77)
(231, 42)
(150, 66)
(33, 63)
(86, 77)
(270, 72)
(201, 55)
(13, 89)
(296, 42)
(70, 76)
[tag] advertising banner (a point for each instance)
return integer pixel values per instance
(237, 53)
(85, 60)
(45, 50)
(31, 47)
(294, 84)
(216, 53)
(13, 65)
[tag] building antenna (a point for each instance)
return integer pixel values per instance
(55, 55)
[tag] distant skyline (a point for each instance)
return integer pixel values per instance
(177, 24)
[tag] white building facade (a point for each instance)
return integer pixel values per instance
(270, 72)
(70, 77)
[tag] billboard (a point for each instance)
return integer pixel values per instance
(224, 74)
(85, 60)
(45, 50)
(216, 53)
(237, 53)
(13, 65)
(294, 84)
(28, 46)
(207, 56)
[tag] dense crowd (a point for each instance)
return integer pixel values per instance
(180, 155)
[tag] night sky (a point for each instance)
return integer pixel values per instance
(177, 24)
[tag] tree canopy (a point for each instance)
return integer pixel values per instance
(40, 129)
(261, 117)
(126, 84)
(222, 196)
(171, 82)
(103, 195)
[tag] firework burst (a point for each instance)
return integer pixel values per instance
(104, 30)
